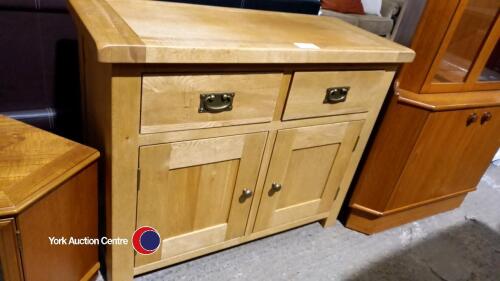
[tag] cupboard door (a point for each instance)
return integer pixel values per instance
(197, 193)
(10, 265)
(450, 156)
(474, 21)
(305, 172)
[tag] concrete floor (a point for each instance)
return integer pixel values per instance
(463, 244)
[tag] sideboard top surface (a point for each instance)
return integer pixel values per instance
(132, 31)
(33, 162)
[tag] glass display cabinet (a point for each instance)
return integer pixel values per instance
(441, 128)
(468, 57)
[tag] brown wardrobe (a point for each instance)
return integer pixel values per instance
(442, 126)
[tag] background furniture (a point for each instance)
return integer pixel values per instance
(40, 36)
(39, 80)
(48, 188)
(291, 6)
(442, 128)
(386, 25)
(217, 134)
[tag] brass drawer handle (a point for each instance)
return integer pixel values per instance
(336, 95)
(486, 117)
(216, 102)
(472, 118)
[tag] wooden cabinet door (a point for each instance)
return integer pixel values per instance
(449, 157)
(10, 264)
(309, 164)
(192, 192)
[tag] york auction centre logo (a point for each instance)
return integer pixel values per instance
(146, 240)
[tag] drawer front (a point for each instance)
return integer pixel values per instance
(172, 103)
(308, 93)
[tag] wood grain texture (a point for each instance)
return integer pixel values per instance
(450, 101)
(92, 273)
(430, 32)
(309, 163)
(383, 166)
(308, 91)
(124, 41)
(451, 57)
(148, 139)
(171, 103)
(10, 260)
(368, 224)
(440, 158)
(411, 206)
(188, 242)
(185, 202)
(159, 32)
(34, 162)
(362, 141)
(121, 168)
(226, 244)
(98, 132)
(112, 110)
(461, 154)
(424, 153)
(68, 211)
(110, 34)
(470, 38)
(433, 76)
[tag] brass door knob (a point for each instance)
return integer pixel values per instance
(276, 187)
(247, 193)
(486, 117)
(472, 118)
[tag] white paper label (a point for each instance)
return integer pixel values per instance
(306, 45)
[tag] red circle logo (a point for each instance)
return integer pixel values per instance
(146, 240)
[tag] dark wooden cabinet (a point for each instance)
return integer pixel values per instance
(48, 188)
(10, 261)
(442, 126)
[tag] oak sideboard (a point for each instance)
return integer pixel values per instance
(219, 126)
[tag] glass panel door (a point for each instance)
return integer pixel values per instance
(491, 71)
(467, 41)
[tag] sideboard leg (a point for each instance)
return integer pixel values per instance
(122, 169)
(358, 152)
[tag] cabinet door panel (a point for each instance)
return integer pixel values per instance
(191, 192)
(449, 157)
(478, 155)
(309, 163)
(10, 265)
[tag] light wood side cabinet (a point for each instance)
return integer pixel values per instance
(48, 188)
(216, 134)
(441, 129)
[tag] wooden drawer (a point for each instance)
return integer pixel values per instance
(171, 103)
(307, 97)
